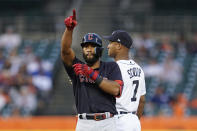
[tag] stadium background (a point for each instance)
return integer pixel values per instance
(35, 91)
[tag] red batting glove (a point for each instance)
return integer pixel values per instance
(71, 21)
(83, 69)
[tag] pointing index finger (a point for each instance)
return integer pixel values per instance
(74, 14)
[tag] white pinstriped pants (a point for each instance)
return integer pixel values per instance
(92, 125)
(127, 122)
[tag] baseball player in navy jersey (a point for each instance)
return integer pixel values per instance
(131, 103)
(95, 83)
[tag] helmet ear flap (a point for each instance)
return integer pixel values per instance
(98, 51)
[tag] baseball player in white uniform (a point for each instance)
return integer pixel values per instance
(131, 103)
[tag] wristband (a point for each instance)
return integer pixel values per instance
(98, 80)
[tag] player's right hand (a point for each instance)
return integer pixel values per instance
(71, 21)
(83, 69)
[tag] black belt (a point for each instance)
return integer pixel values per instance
(123, 112)
(96, 116)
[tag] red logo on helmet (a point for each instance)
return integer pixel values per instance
(90, 36)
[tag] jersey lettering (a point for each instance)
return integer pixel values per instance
(134, 72)
(134, 86)
(136, 82)
(85, 79)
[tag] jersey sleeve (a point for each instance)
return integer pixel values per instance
(114, 72)
(143, 88)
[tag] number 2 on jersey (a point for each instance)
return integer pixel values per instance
(136, 83)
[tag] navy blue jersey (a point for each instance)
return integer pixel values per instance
(89, 98)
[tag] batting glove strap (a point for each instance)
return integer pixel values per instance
(98, 80)
(83, 69)
(94, 75)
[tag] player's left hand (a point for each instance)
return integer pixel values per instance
(83, 69)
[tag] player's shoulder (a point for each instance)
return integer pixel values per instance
(110, 64)
(128, 63)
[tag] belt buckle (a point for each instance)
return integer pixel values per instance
(97, 117)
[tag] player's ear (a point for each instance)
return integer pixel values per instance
(118, 46)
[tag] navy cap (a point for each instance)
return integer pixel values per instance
(120, 36)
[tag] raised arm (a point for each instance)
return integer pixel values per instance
(67, 54)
